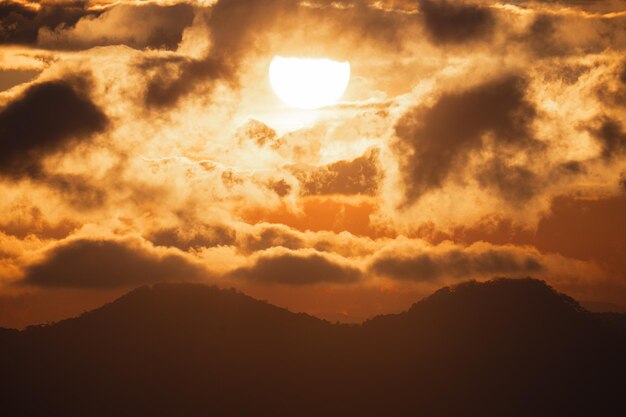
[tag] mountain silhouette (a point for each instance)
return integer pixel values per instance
(500, 348)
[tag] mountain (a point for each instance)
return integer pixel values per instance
(504, 347)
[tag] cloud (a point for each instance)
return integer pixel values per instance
(358, 176)
(20, 24)
(297, 269)
(553, 34)
(235, 23)
(542, 37)
(166, 87)
(138, 26)
(611, 137)
(258, 133)
(239, 29)
(436, 140)
(198, 237)
(448, 22)
(516, 184)
(78, 191)
(102, 263)
(233, 27)
(438, 116)
(47, 118)
(268, 236)
(425, 267)
(590, 5)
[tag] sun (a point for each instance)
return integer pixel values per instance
(309, 83)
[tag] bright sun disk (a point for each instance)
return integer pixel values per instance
(309, 83)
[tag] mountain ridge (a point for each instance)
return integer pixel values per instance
(440, 293)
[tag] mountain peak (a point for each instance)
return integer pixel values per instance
(502, 303)
(181, 309)
(502, 293)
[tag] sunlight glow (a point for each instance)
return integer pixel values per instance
(309, 83)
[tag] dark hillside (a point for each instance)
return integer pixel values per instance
(504, 347)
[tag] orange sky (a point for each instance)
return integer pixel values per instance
(143, 142)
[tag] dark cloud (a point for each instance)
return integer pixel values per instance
(47, 118)
(516, 184)
(137, 26)
(611, 137)
(20, 24)
(295, 269)
(73, 25)
(89, 263)
(269, 237)
(455, 264)
(166, 86)
(204, 237)
(234, 24)
(611, 93)
(542, 37)
(360, 20)
(448, 22)
(559, 35)
(280, 187)
(436, 140)
(77, 191)
(569, 74)
(33, 221)
(572, 167)
(358, 176)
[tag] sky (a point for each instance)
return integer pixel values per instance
(142, 142)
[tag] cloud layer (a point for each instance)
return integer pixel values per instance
(141, 142)
(87, 263)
